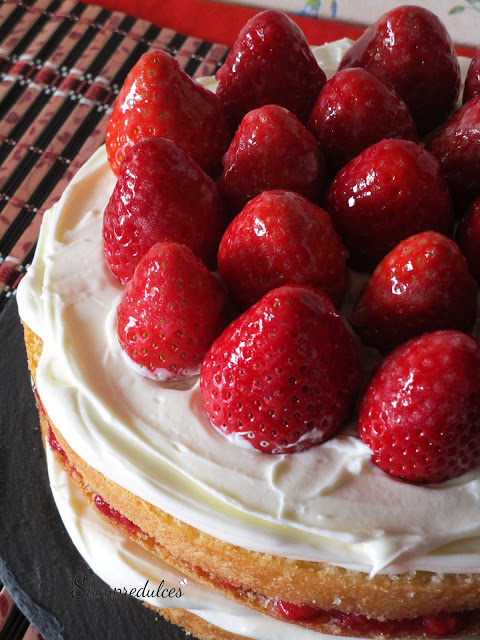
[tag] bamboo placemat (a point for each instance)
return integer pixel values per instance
(61, 66)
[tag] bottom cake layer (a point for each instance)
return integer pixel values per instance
(455, 612)
(155, 582)
(128, 568)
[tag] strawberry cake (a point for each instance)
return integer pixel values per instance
(272, 389)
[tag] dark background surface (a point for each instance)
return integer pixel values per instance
(38, 562)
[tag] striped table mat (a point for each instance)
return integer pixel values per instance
(13, 625)
(61, 66)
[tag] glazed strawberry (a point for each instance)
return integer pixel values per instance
(420, 414)
(170, 313)
(390, 191)
(282, 376)
(161, 194)
(270, 63)
(468, 238)
(457, 146)
(422, 285)
(353, 111)
(472, 81)
(159, 99)
(281, 238)
(410, 49)
(271, 150)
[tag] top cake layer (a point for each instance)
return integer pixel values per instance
(327, 504)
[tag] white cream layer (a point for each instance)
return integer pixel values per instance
(327, 504)
(124, 565)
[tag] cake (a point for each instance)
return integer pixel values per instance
(315, 542)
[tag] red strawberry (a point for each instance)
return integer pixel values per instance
(472, 81)
(468, 238)
(161, 194)
(271, 150)
(457, 145)
(410, 49)
(282, 376)
(170, 313)
(390, 191)
(159, 99)
(422, 285)
(270, 63)
(281, 238)
(353, 111)
(420, 414)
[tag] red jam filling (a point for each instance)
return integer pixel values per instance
(38, 401)
(99, 502)
(55, 445)
(436, 626)
(112, 513)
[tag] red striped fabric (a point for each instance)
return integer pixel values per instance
(59, 74)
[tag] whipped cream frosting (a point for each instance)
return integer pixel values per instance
(327, 504)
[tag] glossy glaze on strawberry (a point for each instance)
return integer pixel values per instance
(283, 376)
(390, 191)
(423, 284)
(420, 414)
(472, 81)
(353, 111)
(410, 49)
(270, 63)
(159, 99)
(281, 238)
(456, 144)
(170, 313)
(161, 195)
(271, 150)
(468, 238)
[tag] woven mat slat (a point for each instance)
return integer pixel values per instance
(61, 67)
(18, 23)
(8, 16)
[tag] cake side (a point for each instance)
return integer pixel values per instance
(254, 579)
